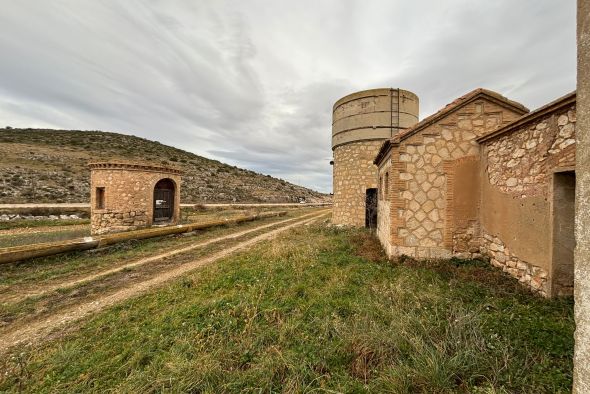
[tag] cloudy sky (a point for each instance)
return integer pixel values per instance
(252, 83)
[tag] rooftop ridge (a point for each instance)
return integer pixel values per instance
(531, 116)
(458, 103)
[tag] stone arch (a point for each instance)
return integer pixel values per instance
(164, 199)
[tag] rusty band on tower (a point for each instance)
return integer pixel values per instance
(361, 122)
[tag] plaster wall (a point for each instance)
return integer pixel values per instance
(463, 198)
(516, 233)
(518, 197)
(582, 225)
(563, 240)
(383, 205)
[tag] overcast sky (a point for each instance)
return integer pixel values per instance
(252, 83)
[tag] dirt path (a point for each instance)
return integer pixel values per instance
(32, 332)
(21, 294)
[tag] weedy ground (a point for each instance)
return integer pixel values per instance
(319, 309)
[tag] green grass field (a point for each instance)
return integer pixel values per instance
(318, 309)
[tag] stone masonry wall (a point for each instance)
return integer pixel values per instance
(521, 164)
(419, 216)
(501, 257)
(354, 173)
(128, 199)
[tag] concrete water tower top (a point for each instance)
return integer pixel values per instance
(375, 114)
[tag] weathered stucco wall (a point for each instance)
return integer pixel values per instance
(421, 218)
(463, 189)
(128, 195)
(582, 230)
(515, 233)
(383, 205)
(519, 165)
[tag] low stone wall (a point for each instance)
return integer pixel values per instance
(501, 257)
(110, 220)
(17, 216)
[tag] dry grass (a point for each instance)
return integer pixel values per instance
(298, 316)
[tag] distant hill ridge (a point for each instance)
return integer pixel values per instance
(44, 165)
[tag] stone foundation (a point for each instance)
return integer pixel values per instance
(112, 221)
(500, 256)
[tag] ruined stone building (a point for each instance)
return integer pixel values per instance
(481, 177)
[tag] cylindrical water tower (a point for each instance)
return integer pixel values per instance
(361, 122)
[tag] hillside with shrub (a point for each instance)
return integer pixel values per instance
(41, 165)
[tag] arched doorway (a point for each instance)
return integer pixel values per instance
(164, 200)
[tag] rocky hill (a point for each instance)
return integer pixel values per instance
(38, 165)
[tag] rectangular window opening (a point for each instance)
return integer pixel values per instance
(99, 198)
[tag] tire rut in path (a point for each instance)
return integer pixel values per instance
(41, 290)
(33, 332)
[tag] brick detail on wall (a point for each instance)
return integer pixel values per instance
(450, 177)
(422, 163)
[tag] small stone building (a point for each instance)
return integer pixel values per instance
(128, 196)
(432, 175)
(483, 176)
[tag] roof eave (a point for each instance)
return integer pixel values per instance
(546, 109)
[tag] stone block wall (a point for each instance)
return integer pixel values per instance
(521, 161)
(519, 165)
(501, 257)
(423, 214)
(361, 122)
(128, 195)
(485, 178)
(354, 173)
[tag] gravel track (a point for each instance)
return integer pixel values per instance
(35, 331)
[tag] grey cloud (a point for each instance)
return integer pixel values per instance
(253, 83)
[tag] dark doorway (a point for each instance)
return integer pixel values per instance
(564, 242)
(371, 208)
(163, 201)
